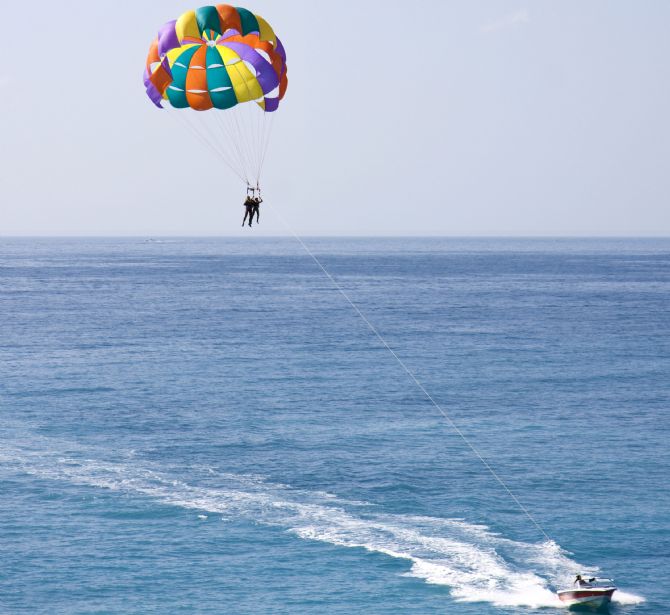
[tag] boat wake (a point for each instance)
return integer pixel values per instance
(476, 564)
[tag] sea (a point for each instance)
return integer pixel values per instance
(207, 426)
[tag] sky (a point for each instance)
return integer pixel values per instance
(434, 117)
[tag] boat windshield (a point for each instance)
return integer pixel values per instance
(598, 582)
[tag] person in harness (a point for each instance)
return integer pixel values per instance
(252, 206)
(256, 209)
(249, 206)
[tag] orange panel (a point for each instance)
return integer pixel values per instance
(196, 79)
(275, 58)
(153, 55)
(250, 39)
(161, 79)
(283, 85)
(229, 17)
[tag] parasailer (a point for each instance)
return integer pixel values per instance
(222, 71)
(257, 203)
(252, 205)
(249, 203)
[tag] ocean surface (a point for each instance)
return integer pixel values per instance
(207, 426)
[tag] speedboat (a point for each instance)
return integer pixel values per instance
(592, 594)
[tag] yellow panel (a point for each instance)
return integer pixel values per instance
(245, 84)
(173, 54)
(227, 54)
(187, 25)
(267, 33)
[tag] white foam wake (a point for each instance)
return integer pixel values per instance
(626, 598)
(476, 564)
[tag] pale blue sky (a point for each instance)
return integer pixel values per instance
(432, 117)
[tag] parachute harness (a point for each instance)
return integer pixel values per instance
(251, 191)
(414, 379)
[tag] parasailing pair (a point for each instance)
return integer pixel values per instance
(221, 71)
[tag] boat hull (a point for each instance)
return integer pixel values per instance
(587, 598)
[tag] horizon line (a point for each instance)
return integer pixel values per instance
(330, 236)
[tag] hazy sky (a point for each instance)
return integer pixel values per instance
(428, 117)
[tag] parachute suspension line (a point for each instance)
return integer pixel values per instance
(244, 134)
(267, 136)
(237, 136)
(228, 137)
(263, 135)
(260, 112)
(190, 127)
(233, 137)
(260, 137)
(251, 136)
(251, 125)
(253, 110)
(238, 139)
(224, 141)
(196, 123)
(414, 379)
(252, 121)
(203, 121)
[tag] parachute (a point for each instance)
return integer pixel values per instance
(221, 71)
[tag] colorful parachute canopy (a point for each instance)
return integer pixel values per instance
(216, 57)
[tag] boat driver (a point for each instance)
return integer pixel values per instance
(581, 582)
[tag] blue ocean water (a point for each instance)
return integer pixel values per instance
(206, 426)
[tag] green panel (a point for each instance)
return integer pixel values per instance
(178, 98)
(249, 21)
(208, 19)
(218, 78)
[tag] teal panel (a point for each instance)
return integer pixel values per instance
(208, 19)
(179, 72)
(249, 21)
(218, 78)
(178, 98)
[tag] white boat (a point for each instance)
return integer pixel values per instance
(592, 594)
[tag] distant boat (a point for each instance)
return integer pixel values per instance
(594, 594)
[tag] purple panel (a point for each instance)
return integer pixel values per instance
(154, 94)
(267, 78)
(281, 51)
(231, 32)
(166, 65)
(167, 38)
(271, 104)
